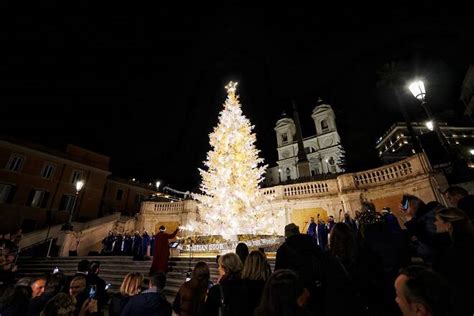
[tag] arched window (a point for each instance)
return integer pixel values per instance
(324, 125)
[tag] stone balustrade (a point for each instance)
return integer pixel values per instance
(410, 167)
(162, 207)
(349, 182)
(306, 188)
(395, 172)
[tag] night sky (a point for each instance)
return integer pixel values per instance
(147, 90)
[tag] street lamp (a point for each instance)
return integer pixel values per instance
(429, 125)
(68, 225)
(417, 88)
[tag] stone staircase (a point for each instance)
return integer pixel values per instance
(114, 268)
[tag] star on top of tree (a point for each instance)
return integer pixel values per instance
(231, 87)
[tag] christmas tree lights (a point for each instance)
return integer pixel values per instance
(231, 203)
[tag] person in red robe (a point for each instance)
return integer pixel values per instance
(161, 254)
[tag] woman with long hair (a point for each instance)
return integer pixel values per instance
(255, 273)
(283, 295)
(456, 259)
(349, 271)
(131, 286)
(229, 294)
(190, 299)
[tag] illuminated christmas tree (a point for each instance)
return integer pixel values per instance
(231, 203)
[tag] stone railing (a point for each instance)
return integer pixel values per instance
(38, 236)
(304, 189)
(271, 192)
(410, 167)
(162, 207)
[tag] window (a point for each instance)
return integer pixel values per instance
(324, 125)
(15, 163)
(68, 202)
(284, 138)
(6, 192)
(76, 176)
(37, 198)
(47, 171)
(119, 195)
(139, 198)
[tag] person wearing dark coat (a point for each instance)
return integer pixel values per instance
(420, 219)
(255, 273)
(284, 294)
(330, 224)
(349, 271)
(242, 250)
(94, 279)
(321, 235)
(191, 297)
(151, 302)
(131, 286)
(108, 244)
(152, 244)
(459, 197)
(456, 260)
(127, 249)
(229, 289)
(300, 254)
(350, 222)
(15, 301)
(391, 221)
(146, 243)
(137, 246)
(311, 231)
(118, 245)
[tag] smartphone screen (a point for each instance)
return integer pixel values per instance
(92, 292)
(405, 205)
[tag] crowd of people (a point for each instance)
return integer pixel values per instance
(9, 248)
(371, 264)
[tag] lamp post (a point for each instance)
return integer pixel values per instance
(417, 88)
(68, 225)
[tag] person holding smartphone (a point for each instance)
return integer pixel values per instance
(420, 225)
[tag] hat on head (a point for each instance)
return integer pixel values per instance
(291, 230)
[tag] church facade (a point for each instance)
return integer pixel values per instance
(323, 149)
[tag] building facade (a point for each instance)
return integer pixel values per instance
(125, 196)
(322, 149)
(37, 184)
(396, 143)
